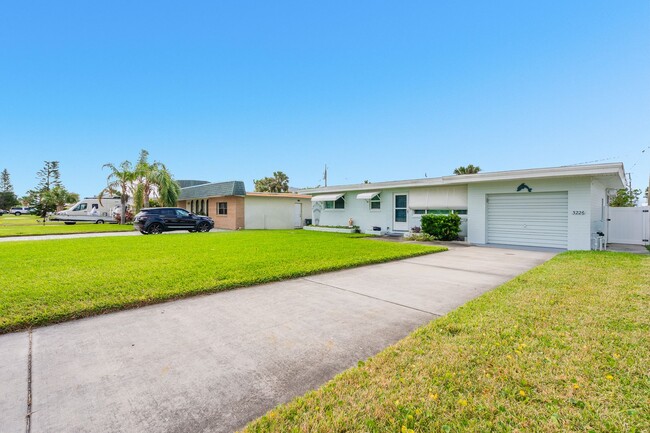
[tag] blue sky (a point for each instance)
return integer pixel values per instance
(376, 90)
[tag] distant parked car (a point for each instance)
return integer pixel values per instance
(156, 220)
(2, 212)
(21, 210)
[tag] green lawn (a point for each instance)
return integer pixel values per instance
(48, 281)
(28, 225)
(564, 347)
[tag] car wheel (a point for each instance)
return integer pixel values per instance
(17, 213)
(155, 229)
(70, 223)
(203, 227)
(99, 222)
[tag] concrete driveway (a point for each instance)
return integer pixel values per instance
(212, 363)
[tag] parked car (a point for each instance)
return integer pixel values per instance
(156, 220)
(2, 212)
(21, 210)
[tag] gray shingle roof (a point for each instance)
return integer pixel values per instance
(184, 183)
(217, 189)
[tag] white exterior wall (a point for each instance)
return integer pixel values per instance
(366, 219)
(579, 196)
(273, 212)
(359, 211)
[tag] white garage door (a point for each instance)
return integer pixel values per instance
(534, 219)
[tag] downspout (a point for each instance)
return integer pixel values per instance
(608, 195)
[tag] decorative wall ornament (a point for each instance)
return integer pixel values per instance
(524, 186)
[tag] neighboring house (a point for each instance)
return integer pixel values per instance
(561, 207)
(232, 208)
(223, 201)
(267, 210)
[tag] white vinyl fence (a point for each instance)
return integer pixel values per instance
(629, 225)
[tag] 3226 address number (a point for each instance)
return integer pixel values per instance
(578, 212)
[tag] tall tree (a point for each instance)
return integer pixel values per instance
(5, 182)
(48, 176)
(61, 196)
(470, 169)
(120, 181)
(52, 200)
(168, 188)
(278, 183)
(49, 191)
(8, 198)
(154, 179)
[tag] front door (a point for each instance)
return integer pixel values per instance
(297, 215)
(400, 213)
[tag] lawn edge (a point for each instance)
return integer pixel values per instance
(68, 317)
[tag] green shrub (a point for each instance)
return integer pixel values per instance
(442, 227)
(421, 237)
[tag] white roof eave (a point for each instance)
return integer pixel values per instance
(598, 170)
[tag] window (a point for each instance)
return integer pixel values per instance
(419, 211)
(375, 202)
(181, 213)
(223, 208)
(81, 206)
(338, 204)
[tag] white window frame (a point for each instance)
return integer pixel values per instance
(375, 199)
(334, 208)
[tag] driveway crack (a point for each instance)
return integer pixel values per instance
(372, 297)
(28, 416)
(459, 269)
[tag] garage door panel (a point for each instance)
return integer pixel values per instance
(533, 219)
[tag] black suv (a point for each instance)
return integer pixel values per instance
(156, 220)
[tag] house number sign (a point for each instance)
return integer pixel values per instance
(578, 212)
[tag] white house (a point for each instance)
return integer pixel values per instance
(560, 207)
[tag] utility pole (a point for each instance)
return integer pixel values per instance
(629, 182)
(325, 175)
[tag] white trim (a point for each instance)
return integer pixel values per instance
(367, 195)
(613, 173)
(327, 197)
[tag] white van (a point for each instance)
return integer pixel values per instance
(89, 210)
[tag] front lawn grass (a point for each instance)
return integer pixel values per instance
(43, 282)
(564, 347)
(30, 225)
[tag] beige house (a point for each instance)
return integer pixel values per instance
(232, 208)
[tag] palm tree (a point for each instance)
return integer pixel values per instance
(168, 188)
(279, 182)
(153, 178)
(62, 196)
(470, 169)
(119, 181)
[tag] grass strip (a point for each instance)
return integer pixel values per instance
(43, 282)
(563, 347)
(29, 225)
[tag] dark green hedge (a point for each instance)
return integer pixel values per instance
(442, 227)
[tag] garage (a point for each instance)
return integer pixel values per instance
(528, 219)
